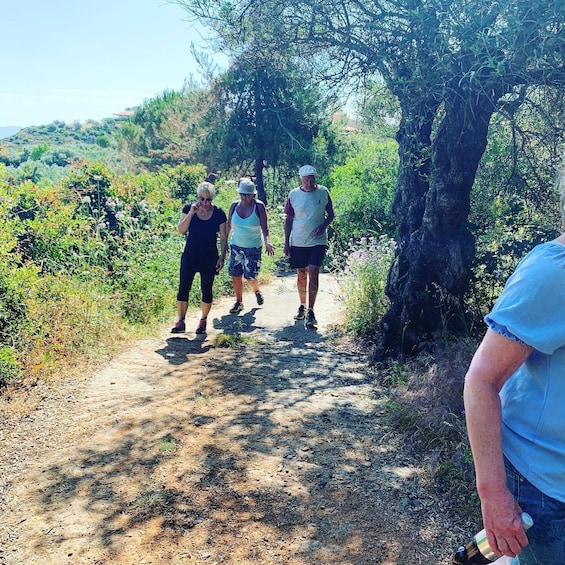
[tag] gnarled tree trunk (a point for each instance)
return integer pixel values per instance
(430, 273)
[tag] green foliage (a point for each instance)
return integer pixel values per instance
(513, 207)
(363, 190)
(44, 154)
(264, 109)
(97, 250)
(38, 151)
(362, 281)
(13, 317)
(8, 364)
(168, 129)
(184, 180)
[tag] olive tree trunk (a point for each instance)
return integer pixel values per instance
(429, 276)
(260, 180)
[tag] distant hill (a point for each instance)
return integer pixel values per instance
(7, 131)
(59, 133)
(61, 145)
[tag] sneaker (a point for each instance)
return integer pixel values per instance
(236, 308)
(201, 329)
(310, 319)
(259, 298)
(179, 327)
(301, 313)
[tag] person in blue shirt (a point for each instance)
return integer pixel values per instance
(515, 409)
(247, 224)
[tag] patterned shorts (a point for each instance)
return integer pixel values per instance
(244, 261)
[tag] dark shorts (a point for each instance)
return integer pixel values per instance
(244, 261)
(301, 257)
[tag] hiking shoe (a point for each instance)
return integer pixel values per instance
(301, 313)
(259, 298)
(179, 327)
(236, 308)
(310, 319)
(201, 329)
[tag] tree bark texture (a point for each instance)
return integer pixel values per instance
(429, 276)
(260, 181)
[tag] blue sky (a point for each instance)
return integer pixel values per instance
(89, 59)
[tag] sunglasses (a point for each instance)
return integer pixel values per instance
(205, 199)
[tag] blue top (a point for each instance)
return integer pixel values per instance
(246, 232)
(531, 309)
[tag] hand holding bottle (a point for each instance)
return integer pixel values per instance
(478, 550)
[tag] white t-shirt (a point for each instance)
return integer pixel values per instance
(308, 210)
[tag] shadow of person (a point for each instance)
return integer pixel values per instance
(233, 324)
(298, 333)
(177, 349)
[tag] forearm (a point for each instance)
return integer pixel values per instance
(494, 362)
(223, 249)
(184, 222)
(483, 415)
(223, 242)
(287, 230)
(264, 225)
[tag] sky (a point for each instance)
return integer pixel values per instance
(72, 60)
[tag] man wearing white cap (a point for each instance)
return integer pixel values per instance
(309, 211)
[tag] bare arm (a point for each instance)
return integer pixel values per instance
(223, 247)
(494, 362)
(185, 219)
(230, 214)
(287, 229)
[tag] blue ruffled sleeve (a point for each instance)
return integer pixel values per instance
(531, 308)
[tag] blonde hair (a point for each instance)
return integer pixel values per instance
(205, 189)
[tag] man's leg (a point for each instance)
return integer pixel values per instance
(302, 284)
(313, 283)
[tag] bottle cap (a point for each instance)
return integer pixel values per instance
(527, 521)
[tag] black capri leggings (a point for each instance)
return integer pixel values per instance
(187, 272)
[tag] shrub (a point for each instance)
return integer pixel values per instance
(8, 364)
(362, 281)
(427, 406)
(362, 192)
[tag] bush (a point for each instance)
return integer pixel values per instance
(362, 281)
(362, 192)
(8, 365)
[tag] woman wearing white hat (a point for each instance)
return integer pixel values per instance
(247, 224)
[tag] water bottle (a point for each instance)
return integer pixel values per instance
(478, 550)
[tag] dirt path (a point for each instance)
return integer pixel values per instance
(277, 452)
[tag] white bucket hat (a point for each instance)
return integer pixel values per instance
(246, 186)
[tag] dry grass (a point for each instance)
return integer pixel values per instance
(427, 404)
